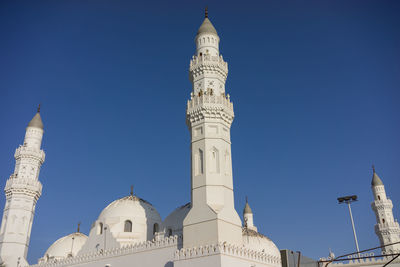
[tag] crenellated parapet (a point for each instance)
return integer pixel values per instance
(208, 105)
(171, 241)
(227, 249)
(27, 187)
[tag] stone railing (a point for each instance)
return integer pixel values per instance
(227, 249)
(204, 99)
(209, 60)
(113, 252)
(24, 151)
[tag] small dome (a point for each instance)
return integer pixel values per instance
(67, 246)
(207, 27)
(36, 121)
(130, 219)
(173, 224)
(256, 241)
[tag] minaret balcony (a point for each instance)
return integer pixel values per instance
(29, 152)
(207, 105)
(23, 186)
(208, 61)
(387, 225)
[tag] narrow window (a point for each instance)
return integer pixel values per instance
(383, 220)
(128, 226)
(379, 198)
(100, 229)
(155, 228)
(201, 161)
(169, 232)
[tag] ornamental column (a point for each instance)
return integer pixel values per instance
(209, 115)
(22, 190)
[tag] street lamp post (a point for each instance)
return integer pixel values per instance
(348, 200)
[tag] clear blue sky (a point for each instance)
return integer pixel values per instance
(315, 85)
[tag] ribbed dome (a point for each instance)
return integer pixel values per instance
(256, 241)
(207, 27)
(36, 121)
(67, 246)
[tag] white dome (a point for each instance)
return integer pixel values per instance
(173, 224)
(259, 242)
(67, 246)
(130, 219)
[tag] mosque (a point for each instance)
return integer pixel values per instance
(130, 232)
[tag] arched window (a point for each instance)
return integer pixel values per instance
(155, 228)
(383, 220)
(100, 229)
(128, 226)
(379, 198)
(169, 232)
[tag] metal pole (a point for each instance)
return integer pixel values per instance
(354, 229)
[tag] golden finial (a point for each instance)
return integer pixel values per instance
(373, 168)
(79, 227)
(246, 199)
(38, 109)
(206, 13)
(131, 190)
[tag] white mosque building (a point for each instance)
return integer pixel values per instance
(130, 232)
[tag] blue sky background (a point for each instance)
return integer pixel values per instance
(315, 86)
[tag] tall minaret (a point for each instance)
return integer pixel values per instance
(387, 228)
(209, 116)
(22, 190)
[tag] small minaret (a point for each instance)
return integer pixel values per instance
(387, 228)
(22, 190)
(209, 115)
(248, 217)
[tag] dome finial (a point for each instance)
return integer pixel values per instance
(38, 109)
(247, 200)
(373, 168)
(79, 227)
(206, 12)
(131, 190)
